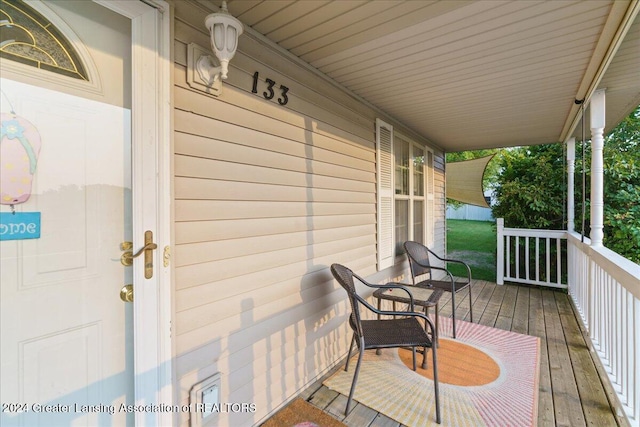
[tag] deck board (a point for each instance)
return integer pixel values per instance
(507, 308)
(546, 415)
(598, 411)
(566, 400)
(571, 392)
(490, 314)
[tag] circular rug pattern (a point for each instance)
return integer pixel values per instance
(386, 385)
(458, 364)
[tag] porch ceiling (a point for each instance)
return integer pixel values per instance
(465, 74)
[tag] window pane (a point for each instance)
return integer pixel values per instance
(418, 171)
(418, 221)
(402, 224)
(401, 152)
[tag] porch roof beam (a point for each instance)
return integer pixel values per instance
(620, 19)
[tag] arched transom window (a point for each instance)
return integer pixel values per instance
(29, 38)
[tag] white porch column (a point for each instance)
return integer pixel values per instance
(571, 166)
(597, 167)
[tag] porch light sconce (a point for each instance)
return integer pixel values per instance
(225, 30)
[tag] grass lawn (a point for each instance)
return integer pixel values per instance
(473, 242)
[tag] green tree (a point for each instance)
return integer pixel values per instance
(622, 188)
(530, 187)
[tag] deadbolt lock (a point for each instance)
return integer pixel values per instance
(126, 293)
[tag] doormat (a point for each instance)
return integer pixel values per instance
(487, 377)
(300, 413)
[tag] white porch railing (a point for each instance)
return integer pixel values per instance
(531, 256)
(605, 288)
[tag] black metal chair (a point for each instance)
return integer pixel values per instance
(402, 330)
(419, 264)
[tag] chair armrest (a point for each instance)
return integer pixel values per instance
(430, 265)
(457, 261)
(435, 254)
(390, 285)
(445, 270)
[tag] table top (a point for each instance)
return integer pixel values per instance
(422, 296)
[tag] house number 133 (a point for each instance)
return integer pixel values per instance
(270, 91)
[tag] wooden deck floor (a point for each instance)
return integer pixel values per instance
(571, 391)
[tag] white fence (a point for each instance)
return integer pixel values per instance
(536, 257)
(605, 288)
(470, 213)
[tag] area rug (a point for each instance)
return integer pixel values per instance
(300, 413)
(488, 377)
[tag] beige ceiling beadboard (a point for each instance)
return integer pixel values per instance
(464, 74)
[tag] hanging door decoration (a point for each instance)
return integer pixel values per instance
(19, 150)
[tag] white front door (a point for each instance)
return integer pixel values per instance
(67, 353)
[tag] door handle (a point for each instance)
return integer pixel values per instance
(127, 257)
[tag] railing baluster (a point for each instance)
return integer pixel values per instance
(558, 262)
(547, 270)
(634, 353)
(609, 316)
(610, 324)
(537, 258)
(627, 345)
(508, 256)
(517, 249)
(617, 356)
(527, 258)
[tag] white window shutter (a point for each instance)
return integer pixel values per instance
(384, 145)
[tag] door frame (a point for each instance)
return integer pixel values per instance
(151, 204)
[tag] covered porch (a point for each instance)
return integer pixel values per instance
(578, 396)
(460, 76)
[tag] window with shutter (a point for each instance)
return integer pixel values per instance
(405, 193)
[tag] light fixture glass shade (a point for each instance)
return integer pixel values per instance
(224, 30)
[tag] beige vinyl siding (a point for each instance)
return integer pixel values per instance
(266, 198)
(257, 294)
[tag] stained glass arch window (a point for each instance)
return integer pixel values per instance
(29, 38)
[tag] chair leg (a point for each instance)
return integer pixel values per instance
(453, 312)
(435, 384)
(378, 351)
(437, 331)
(470, 304)
(355, 379)
(424, 358)
(353, 340)
(413, 350)
(425, 349)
